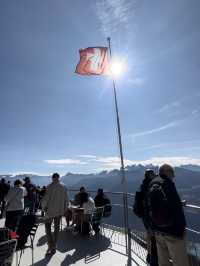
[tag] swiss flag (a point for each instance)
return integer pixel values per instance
(93, 61)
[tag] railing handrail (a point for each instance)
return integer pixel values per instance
(132, 195)
(191, 206)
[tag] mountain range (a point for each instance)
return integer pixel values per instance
(187, 180)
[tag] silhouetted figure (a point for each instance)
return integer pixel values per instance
(141, 209)
(30, 200)
(4, 187)
(78, 197)
(101, 200)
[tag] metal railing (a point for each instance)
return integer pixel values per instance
(136, 232)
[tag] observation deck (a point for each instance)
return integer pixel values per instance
(110, 247)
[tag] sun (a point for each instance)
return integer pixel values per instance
(117, 67)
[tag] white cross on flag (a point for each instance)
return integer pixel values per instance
(93, 61)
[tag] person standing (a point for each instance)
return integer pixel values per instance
(140, 208)
(54, 204)
(168, 219)
(4, 187)
(14, 205)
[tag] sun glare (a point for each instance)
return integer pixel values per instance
(117, 67)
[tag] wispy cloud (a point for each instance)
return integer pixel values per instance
(66, 161)
(106, 163)
(169, 106)
(114, 14)
(195, 112)
(155, 130)
(87, 156)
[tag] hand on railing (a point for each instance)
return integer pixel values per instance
(184, 202)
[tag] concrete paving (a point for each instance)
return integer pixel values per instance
(106, 249)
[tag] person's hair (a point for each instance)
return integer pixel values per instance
(82, 188)
(166, 170)
(18, 182)
(149, 174)
(55, 175)
(100, 191)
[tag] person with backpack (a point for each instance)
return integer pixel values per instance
(167, 218)
(140, 208)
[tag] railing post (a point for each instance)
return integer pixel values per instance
(129, 261)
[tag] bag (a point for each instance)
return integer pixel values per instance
(158, 204)
(138, 206)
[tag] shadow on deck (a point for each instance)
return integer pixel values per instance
(105, 249)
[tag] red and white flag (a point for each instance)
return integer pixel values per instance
(93, 61)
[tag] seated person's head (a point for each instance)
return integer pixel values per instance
(18, 183)
(82, 189)
(100, 191)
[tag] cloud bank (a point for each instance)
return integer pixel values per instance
(113, 162)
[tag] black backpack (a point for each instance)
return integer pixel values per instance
(158, 204)
(138, 206)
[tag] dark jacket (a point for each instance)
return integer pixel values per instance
(101, 200)
(177, 228)
(4, 188)
(140, 207)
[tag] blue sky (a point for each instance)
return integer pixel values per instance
(54, 120)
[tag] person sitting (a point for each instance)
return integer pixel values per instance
(14, 205)
(30, 199)
(78, 196)
(101, 199)
(88, 206)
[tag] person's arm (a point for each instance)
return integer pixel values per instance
(24, 192)
(8, 196)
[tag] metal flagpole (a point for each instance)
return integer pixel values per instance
(123, 180)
